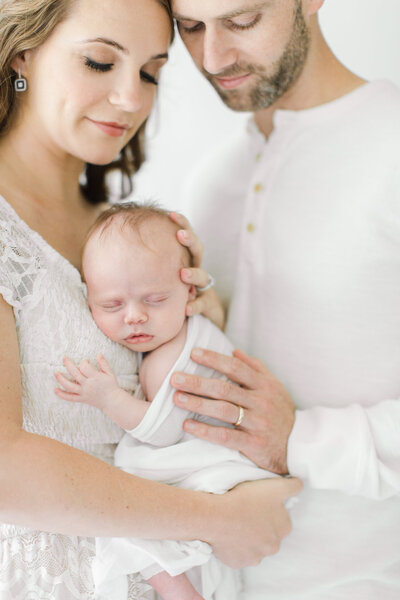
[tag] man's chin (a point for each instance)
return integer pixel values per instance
(233, 99)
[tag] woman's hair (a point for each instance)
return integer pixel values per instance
(25, 25)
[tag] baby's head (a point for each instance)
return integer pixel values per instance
(131, 263)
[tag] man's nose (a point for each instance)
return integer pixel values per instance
(218, 51)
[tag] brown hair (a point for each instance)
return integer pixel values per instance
(133, 215)
(25, 25)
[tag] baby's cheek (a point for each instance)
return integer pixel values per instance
(106, 324)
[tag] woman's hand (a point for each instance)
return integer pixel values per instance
(267, 414)
(252, 521)
(206, 303)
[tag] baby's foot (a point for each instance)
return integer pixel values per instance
(174, 588)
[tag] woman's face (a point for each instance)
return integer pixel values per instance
(92, 83)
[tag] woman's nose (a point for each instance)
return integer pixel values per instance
(128, 94)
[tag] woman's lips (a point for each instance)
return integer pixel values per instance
(110, 128)
(231, 82)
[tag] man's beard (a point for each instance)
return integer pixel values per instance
(268, 88)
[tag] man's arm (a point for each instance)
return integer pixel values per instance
(354, 449)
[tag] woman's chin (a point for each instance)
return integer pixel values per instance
(100, 159)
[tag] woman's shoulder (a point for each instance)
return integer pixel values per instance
(20, 256)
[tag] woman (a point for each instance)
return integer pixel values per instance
(76, 87)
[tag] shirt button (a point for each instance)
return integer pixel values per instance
(258, 187)
(250, 228)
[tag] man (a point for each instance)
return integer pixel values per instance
(300, 215)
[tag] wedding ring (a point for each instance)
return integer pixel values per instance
(210, 283)
(240, 417)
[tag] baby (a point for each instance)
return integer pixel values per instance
(132, 262)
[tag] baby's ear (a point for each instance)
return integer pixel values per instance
(192, 292)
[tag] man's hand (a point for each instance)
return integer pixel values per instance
(88, 384)
(268, 410)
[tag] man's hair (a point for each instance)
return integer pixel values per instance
(132, 215)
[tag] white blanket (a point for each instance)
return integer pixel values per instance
(159, 449)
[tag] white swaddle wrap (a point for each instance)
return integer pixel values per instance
(160, 450)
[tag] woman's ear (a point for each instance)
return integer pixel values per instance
(20, 62)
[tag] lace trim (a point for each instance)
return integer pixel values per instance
(23, 269)
(43, 566)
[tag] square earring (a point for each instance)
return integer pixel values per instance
(20, 84)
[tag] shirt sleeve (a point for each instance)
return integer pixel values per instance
(355, 450)
(7, 287)
(21, 265)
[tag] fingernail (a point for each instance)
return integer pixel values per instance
(186, 273)
(184, 234)
(182, 398)
(189, 426)
(197, 353)
(189, 311)
(179, 378)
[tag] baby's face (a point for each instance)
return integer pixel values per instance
(135, 292)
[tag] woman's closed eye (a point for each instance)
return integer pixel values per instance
(98, 66)
(148, 78)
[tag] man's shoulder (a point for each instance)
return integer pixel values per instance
(382, 98)
(380, 116)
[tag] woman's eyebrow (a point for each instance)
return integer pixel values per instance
(108, 42)
(115, 44)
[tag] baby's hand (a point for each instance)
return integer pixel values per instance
(88, 384)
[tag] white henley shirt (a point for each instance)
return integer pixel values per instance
(302, 232)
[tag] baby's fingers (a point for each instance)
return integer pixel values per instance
(73, 370)
(87, 369)
(67, 395)
(70, 386)
(103, 364)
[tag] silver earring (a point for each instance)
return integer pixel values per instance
(20, 84)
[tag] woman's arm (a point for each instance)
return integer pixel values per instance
(47, 485)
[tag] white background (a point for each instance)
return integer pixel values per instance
(189, 117)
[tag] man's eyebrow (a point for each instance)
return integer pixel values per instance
(115, 44)
(232, 14)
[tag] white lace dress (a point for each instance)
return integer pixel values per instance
(53, 320)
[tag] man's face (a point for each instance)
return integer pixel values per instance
(251, 52)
